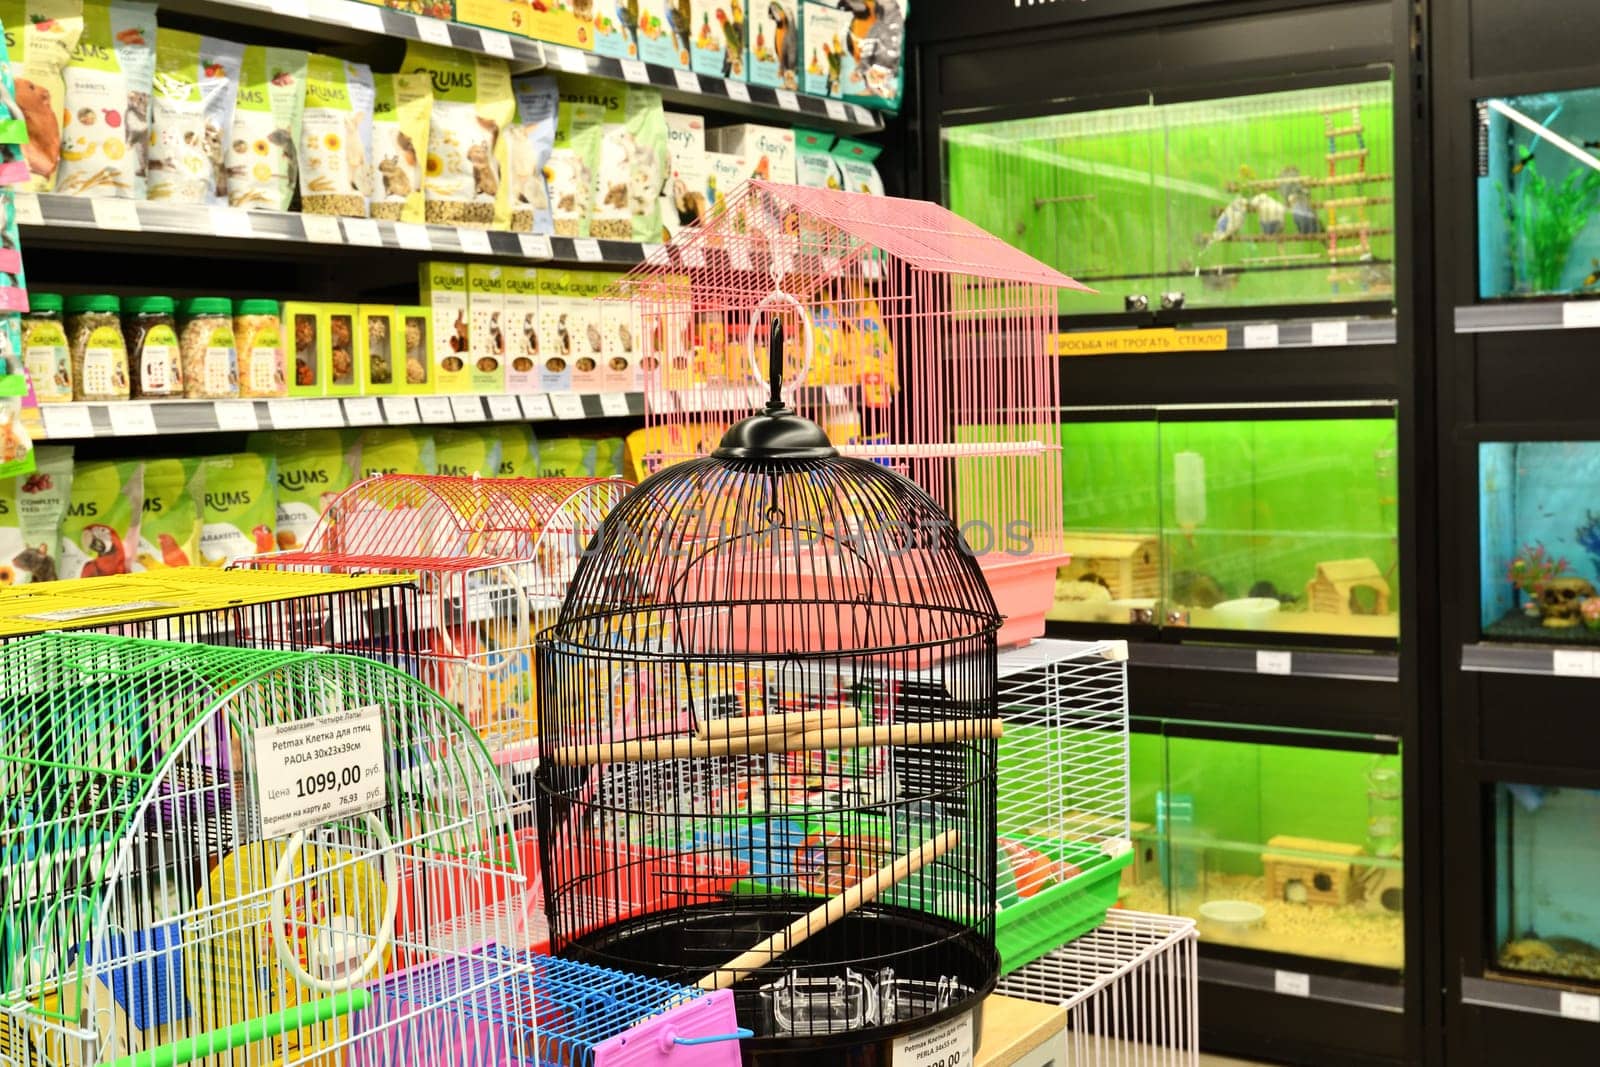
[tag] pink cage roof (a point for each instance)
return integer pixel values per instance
(922, 235)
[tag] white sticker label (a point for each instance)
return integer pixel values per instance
(737, 90)
(113, 214)
(614, 404)
(1577, 314)
(567, 59)
(363, 411)
(1273, 662)
(231, 222)
(837, 395)
(496, 43)
(1261, 335)
(739, 257)
(94, 611)
(1585, 1007)
(635, 71)
(688, 81)
(537, 406)
(692, 256)
(787, 100)
(66, 420)
(319, 770)
(362, 17)
(131, 420)
(836, 111)
(587, 249)
(323, 229)
(27, 208)
(435, 409)
(324, 413)
(434, 32)
(400, 410)
(1570, 663)
(236, 415)
(413, 235)
(567, 406)
(1330, 334)
(949, 1045)
(466, 409)
(1291, 983)
(287, 414)
(363, 232)
(504, 408)
(535, 245)
(474, 241)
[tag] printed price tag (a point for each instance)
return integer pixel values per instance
(231, 222)
(567, 406)
(836, 111)
(1291, 983)
(400, 410)
(474, 241)
(537, 407)
(535, 245)
(319, 770)
(737, 90)
(567, 59)
(237, 415)
(1330, 334)
(434, 409)
(113, 214)
(786, 99)
(362, 17)
(465, 409)
(323, 229)
(692, 256)
(413, 235)
(614, 404)
(131, 420)
(434, 32)
(324, 413)
(66, 420)
(27, 208)
(1261, 335)
(1575, 314)
(1274, 662)
(363, 232)
(587, 249)
(294, 9)
(286, 414)
(504, 409)
(363, 411)
(648, 251)
(496, 44)
(688, 81)
(949, 1045)
(1584, 1007)
(837, 395)
(1571, 663)
(635, 71)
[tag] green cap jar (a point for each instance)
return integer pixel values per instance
(196, 306)
(148, 305)
(256, 307)
(94, 303)
(46, 302)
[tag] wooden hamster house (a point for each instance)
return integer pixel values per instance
(1303, 879)
(1338, 585)
(1129, 565)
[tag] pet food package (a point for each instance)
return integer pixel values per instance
(392, 450)
(486, 309)
(632, 161)
(239, 506)
(472, 105)
(615, 33)
(312, 468)
(608, 460)
(566, 457)
(530, 142)
(444, 292)
(521, 305)
(133, 33)
(98, 158)
(560, 310)
(874, 74)
(171, 523)
(40, 38)
(101, 530)
(775, 44)
(717, 47)
(302, 325)
(261, 157)
(619, 328)
(826, 29)
(570, 171)
(375, 350)
(519, 452)
(664, 33)
(33, 507)
(414, 334)
(814, 166)
(335, 135)
(770, 149)
(585, 328)
(683, 194)
(855, 166)
(191, 111)
(568, 22)
(402, 112)
(337, 332)
(724, 175)
(466, 453)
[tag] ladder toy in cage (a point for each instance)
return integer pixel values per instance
(933, 356)
(768, 723)
(213, 853)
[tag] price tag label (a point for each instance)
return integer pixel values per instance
(435, 409)
(614, 404)
(537, 407)
(949, 1045)
(837, 395)
(567, 406)
(692, 401)
(1330, 334)
(635, 71)
(787, 100)
(363, 411)
(496, 44)
(413, 235)
(535, 245)
(324, 413)
(1575, 314)
(62, 421)
(1571, 663)
(1291, 983)
(475, 242)
(400, 410)
(231, 222)
(1261, 335)
(1584, 1007)
(319, 770)
(737, 90)
(648, 251)
(131, 420)
(434, 32)
(692, 256)
(237, 415)
(323, 229)
(113, 214)
(465, 409)
(688, 81)
(363, 232)
(294, 9)
(27, 209)
(287, 414)
(836, 111)
(567, 59)
(587, 249)
(362, 17)
(504, 408)
(1268, 662)
(660, 401)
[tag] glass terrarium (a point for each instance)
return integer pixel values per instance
(1265, 524)
(1280, 841)
(1539, 195)
(1539, 540)
(1547, 859)
(1282, 198)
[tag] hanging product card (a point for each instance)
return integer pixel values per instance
(231, 222)
(1575, 314)
(1270, 662)
(1573, 663)
(949, 1045)
(787, 100)
(435, 32)
(535, 245)
(1261, 335)
(1585, 1007)
(113, 214)
(131, 420)
(836, 111)
(362, 17)
(1291, 983)
(287, 414)
(319, 770)
(568, 59)
(536, 407)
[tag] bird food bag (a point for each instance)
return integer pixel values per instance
(335, 134)
(530, 142)
(41, 36)
(100, 153)
(855, 166)
(472, 105)
(814, 166)
(32, 509)
(133, 33)
(683, 193)
(570, 171)
(657, 42)
(825, 30)
(566, 457)
(312, 469)
(191, 114)
(101, 530)
(239, 508)
(519, 452)
(775, 44)
(392, 450)
(400, 121)
(874, 69)
(170, 527)
(632, 162)
(261, 153)
(467, 453)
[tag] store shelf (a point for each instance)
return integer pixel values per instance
(1533, 999)
(1352, 991)
(1359, 667)
(1531, 659)
(1543, 315)
(66, 422)
(1294, 333)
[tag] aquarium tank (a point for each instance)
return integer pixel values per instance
(1539, 541)
(1282, 525)
(1280, 198)
(1539, 195)
(1547, 863)
(1276, 840)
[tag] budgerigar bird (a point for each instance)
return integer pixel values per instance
(628, 18)
(1304, 216)
(733, 30)
(1289, 183)
(679, 18)
(1230, 220)
(785, 41)
(1269, 211)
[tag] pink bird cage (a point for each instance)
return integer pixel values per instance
(924, 347)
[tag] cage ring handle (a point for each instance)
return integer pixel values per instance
(391, 907)
(778, 296)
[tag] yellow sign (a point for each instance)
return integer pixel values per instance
(1138, 342)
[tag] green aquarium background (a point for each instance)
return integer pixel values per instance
(1547, 855)
(1127, 200)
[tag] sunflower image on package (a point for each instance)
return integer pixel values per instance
(632, 163)
(192, 100)
(472, 105)
(239, 507)
(400, 122)
(100, 533)
(171, 524)
(335, 134)
(33, 507)
(313, 468)
(262, 153)
(40, 38)
(112, 63)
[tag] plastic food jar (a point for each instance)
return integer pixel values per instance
(210, 366)
(44, 349)
(99, 353)
(258, 335)
(151, 329)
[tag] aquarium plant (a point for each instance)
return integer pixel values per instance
(1531, 569)
(1588, 538)
(1544, 220)
(1590, 609)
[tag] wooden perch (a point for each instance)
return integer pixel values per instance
(944, 732)
(790, 723)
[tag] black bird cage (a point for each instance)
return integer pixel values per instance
(768, 728)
